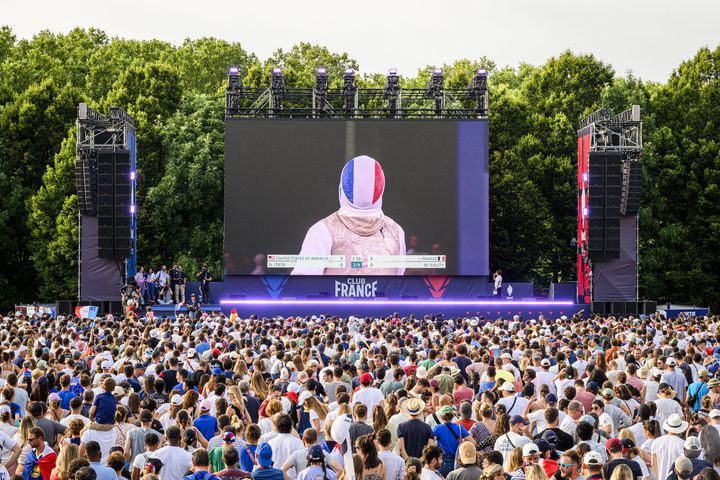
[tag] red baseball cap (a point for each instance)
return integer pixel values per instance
(366, 378)
(614, 445)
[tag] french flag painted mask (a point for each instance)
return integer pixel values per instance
(362, 184)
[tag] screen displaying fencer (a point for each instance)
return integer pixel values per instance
(356, 197)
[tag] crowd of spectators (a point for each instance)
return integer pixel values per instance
(327, 398)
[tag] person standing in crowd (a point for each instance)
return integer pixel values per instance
(467, 458)
(140, 281)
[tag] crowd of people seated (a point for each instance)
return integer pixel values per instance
(326, 398)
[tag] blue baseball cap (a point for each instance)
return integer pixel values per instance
(518, 419)
(264, 455)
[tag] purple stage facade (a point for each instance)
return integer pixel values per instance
(451, 296)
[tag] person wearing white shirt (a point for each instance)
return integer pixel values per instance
(284, 443)
(394, 464)
(514, 405)
(544, 377)
(176, 460)
(432, 459)
(368, 395)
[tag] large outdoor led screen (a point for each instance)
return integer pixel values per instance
(356, 197)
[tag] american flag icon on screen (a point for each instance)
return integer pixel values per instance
(271, 257)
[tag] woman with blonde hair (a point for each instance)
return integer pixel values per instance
(514, 460)
(318, 412)
(621, 472)
(259, 386)
(493, 472)
(241, 368)
(26, 424)
(273, 406)
(536, 472)
(68, 453)
(236, 407)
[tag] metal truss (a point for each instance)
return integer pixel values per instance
(620, 133)
(363, 103)
(96, 132)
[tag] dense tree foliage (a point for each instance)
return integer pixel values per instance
(175, 94)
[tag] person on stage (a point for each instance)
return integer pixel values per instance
(497, 276)
(359, 227)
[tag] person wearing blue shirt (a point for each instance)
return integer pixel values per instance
(699, 389)
(94, 454)
(201, 466)
(265, 469)
(65, 394)
(205, 423)
(449, 436)
(105, 404)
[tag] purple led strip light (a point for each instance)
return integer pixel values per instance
(395, 302)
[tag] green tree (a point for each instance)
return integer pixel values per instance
(182, 217)
(52, 221)
(150, 94)
(680, 219)
(203, 63)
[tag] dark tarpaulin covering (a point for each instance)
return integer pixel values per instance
(100, 278)
(616, 279)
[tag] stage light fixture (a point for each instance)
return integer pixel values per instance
(277, 90)
(349, 90)
(436, 90)
(133, 175)
(478, 91)
(391, 91)
(320, 93)
(233, 70)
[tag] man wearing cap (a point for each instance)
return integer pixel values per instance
(414, 435)
(449, 436)
(467, 458)
(674, 378)
(669, 446)
(682, 469)
(592, 466)
(714, 393)
(530, 456)
(614, 449)
(205, 423)
(544, 377)
(514, 404)
(692, 450)
(265, 470)
(516, 437)
(368, 395)
(697, 390)
(714, 416)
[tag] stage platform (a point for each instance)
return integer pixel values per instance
(448, 308)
